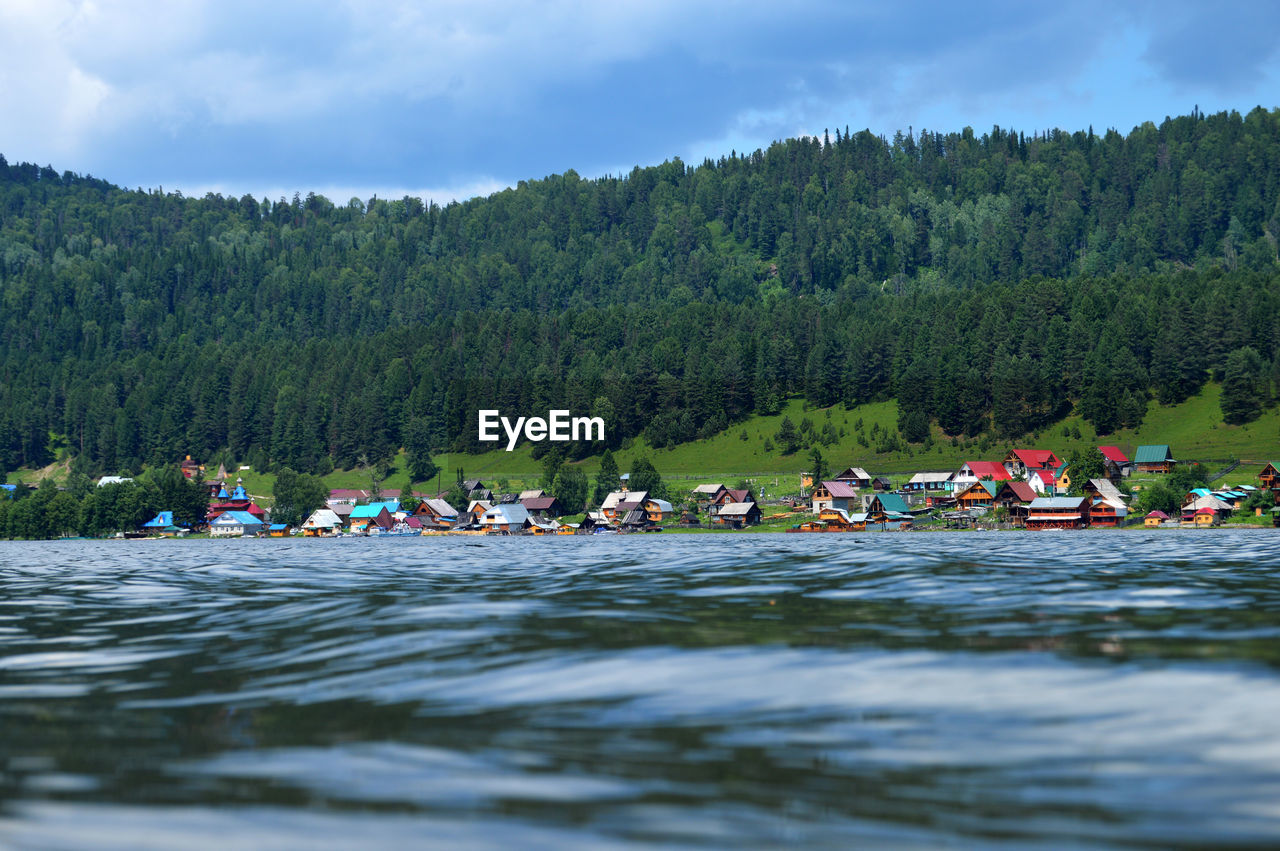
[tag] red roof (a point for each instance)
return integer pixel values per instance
(840, 489)
(347, 493)
(1113, 453)
(1046, 476)
(738, 496)
(1160, 514)
(989, 470)
(1021, 490)
(1035, 458)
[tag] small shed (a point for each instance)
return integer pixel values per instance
(1154, 458)
(1155, 518)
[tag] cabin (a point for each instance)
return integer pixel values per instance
(738, 514)
(881, 484)
(1107, 513)
(542, 507)
(436, 512)
(854, 477)
(323, 522)
(659, 510)
(927, 482)
(1270, 476)
(839, 520)
(888, 508)
(506, 519)
(977, 495)
(1058, 512)
(1019, 461)
(279, 530)
(727, 498)
(833, 494)
(1154, 458)
(235, 524)
(1115, 462)
(363, 517)
(476, 510)
(1154, 519)
(612, 502)
(705, 495)
(1014, 497)
(1202, 517)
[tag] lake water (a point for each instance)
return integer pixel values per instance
(911, 689)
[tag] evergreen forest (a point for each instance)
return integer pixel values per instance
(991, 282)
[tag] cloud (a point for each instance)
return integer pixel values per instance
(474, 94)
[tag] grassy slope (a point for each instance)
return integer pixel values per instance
(1194, 429)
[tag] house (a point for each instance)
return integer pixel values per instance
(1194, 504)
(323, 522)
(728, 497)
(704, 495)
(1019, 461)
(278, 530)
(191, 468)
(345, 496)
(1201, 517)
(611, 502)
(364, 516)
(973, 471)
(924, 482)
(888, 508)
(533, 493)
(235, 524)
(1107, 513)
(1155, 458)
(854, 477)
(1058, 512)
(1043, 482)
(475, 489)
(978, 495)
(839, 520)
(344, 513)
(476, 510)
(1014, 497)
(738, 514)
(1104, 489)
(834, 494)
(1115, 462)
(506, 519)
(658, 510)
(882, 484)
(542, 506)
(635, 518)
(162, 524)
(1154, 519)
(1269, 477)
(436, 512)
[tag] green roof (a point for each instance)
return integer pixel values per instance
(1156, 453)
(892, 503)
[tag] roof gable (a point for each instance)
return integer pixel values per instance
(1155, 453)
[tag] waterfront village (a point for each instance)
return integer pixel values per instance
(1028, 489)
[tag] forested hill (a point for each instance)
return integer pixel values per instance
(988, 281)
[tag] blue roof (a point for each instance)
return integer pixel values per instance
(362, 511)
(278, 527)
(163, 520)
(236, 518)
(239, 493)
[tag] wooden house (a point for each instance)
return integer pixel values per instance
(927, 482)
(881, 484)
(364, 517)
(1014, 497)
(977, 495)
(1154, 458)
(854, 477)
(543, 507)
(611, 502)
(1058, 512)
(322, 523)
(436, 512)
(834, 494)
(888, 508)
(1115, 462)
(1019, 461)
(1107, 513)
(738, 514)
(1154, 519)
(658, 510)
(727, 498)
(839, 520)
(508, 518)
(1270, 476)
(704, 495)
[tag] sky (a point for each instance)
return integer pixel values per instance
(449, 99)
